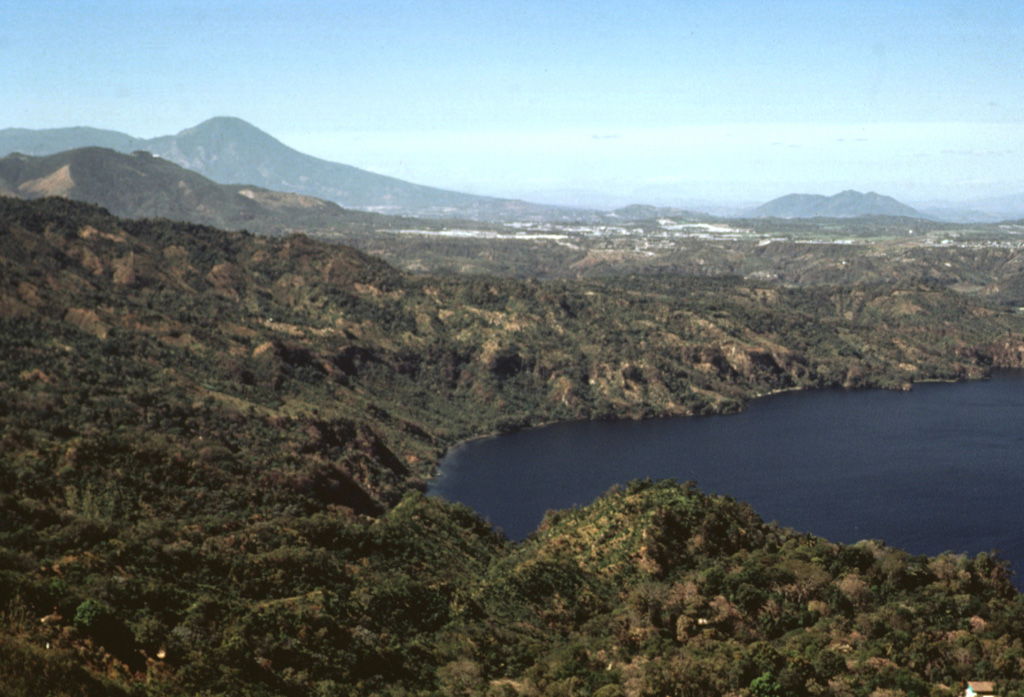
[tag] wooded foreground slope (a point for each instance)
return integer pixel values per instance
(651, 590)
(207, 441)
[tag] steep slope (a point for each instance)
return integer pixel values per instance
(337, 344)
(658, 587)
(141, 185)
(846, 204)
(652, 589)
(137, 185)
(229, 150)
(209, 442)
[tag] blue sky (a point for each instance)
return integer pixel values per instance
(669, 102)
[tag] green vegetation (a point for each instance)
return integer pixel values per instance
(985, 260)
(652, 589)
(976, 259)
(210, 445)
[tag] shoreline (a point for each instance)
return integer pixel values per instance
(906, 387)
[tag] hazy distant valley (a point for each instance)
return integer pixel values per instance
(847, 238)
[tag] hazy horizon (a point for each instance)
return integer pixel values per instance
(732, 103)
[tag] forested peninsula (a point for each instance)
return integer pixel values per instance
(213, 447)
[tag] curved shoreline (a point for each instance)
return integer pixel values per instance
(906, 387)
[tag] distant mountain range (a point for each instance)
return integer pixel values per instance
(846, 204)
(639, 212)
(988, 210)
(143, 186)
(231, 151)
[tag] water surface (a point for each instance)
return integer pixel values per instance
(934, 469)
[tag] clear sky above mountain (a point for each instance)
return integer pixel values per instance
(664, 102)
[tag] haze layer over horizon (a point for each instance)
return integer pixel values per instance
(657, 102)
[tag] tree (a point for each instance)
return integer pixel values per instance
(765, 685)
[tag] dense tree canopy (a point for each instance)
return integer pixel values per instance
(211, 445)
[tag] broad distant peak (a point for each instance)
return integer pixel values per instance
(220, 123)
(845, 204)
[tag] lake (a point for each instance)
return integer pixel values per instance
(938, 468)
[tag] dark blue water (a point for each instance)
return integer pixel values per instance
(939, 468)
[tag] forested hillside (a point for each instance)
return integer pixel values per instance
(210, 444)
